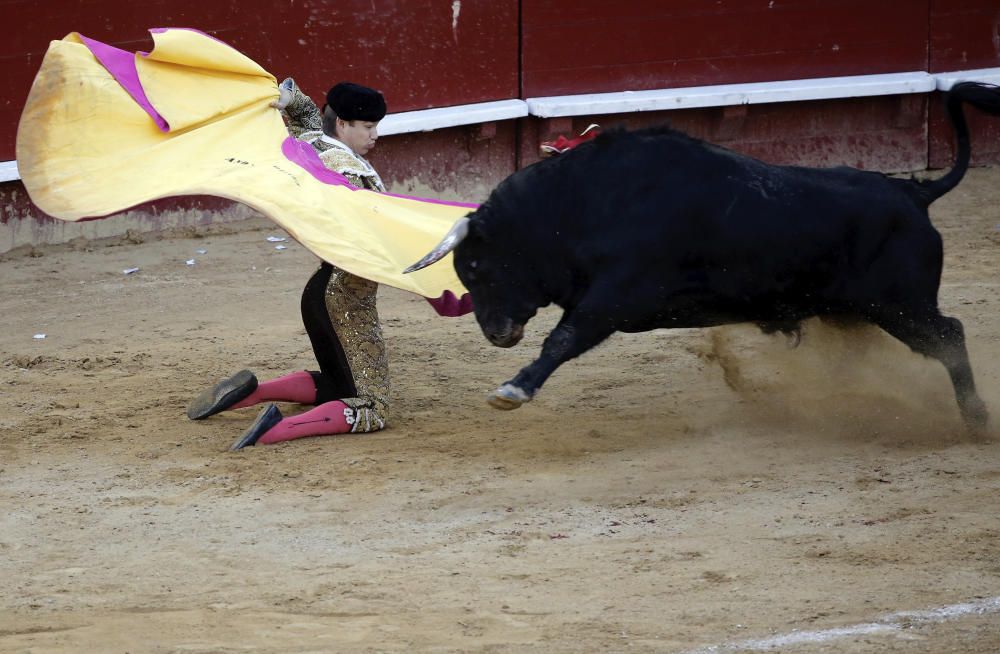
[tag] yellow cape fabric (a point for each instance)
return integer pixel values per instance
(85, 148)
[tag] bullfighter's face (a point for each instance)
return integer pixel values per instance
(503, 301)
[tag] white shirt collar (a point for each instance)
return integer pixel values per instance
(336, 143)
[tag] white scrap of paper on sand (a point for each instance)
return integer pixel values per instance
(279, 247)
(276, 239)
(38, 337)
(129, 271)
(190, 262)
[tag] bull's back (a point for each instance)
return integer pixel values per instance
(708, 223)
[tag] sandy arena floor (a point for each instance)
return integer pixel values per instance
(677, 491)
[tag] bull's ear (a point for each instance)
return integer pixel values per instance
(454, 236)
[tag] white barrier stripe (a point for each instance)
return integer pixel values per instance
(8, 171)
(426, 120)
(889, 624)
(946, 80)
(722, 95)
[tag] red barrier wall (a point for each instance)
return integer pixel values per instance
(433, 53)
(592, 46)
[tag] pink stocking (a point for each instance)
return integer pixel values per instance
(295, 387)
(326, 419)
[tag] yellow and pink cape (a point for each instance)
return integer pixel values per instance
(104, 130)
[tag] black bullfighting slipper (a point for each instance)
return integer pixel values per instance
(222, 396)
(268, 417)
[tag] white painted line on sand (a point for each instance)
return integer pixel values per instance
(893, 623)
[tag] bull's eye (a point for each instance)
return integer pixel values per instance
(473, 264)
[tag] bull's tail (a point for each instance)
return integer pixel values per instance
(985, 97)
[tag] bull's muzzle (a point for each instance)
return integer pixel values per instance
(508, 336)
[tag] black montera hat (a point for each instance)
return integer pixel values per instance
(355, 102)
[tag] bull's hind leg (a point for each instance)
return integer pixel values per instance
(942, 338)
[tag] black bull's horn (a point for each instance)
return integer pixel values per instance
(454, 236)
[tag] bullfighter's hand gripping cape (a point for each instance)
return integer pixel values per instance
(104, 130)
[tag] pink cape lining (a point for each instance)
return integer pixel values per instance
(304, 155)
(121, 65)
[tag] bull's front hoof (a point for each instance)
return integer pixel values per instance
(508, 397)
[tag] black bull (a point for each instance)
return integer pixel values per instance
(653, 229)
